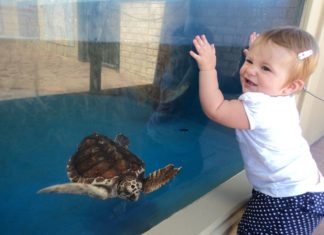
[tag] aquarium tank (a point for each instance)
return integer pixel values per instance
(71, 68)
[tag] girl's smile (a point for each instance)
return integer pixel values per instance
(249, 84)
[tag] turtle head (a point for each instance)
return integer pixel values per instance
(129, 188)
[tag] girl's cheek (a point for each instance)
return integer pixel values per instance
(242, 70)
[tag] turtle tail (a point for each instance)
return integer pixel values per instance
(159, 178)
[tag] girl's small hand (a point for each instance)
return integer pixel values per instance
(206, 57)
(252, 38)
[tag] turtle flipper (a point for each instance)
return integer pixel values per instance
(160, 177)
(78, 188)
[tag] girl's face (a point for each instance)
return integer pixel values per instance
(266, 69)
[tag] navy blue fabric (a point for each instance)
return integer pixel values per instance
(266, 215)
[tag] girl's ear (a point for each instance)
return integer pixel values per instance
(293, 87)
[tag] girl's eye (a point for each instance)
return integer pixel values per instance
(265, 68)
(249, 61)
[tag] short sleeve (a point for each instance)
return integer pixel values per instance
(255, 107)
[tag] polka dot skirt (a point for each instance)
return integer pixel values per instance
(266, 215)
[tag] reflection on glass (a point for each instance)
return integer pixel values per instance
(72, 67)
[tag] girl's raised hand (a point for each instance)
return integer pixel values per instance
(252, 38)
(206, 53)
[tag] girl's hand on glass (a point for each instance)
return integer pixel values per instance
(252, 38)
(206, 53)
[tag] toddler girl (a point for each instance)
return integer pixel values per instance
(288, 189)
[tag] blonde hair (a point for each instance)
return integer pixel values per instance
(296, 40)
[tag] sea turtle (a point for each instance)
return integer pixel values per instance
(103, 168)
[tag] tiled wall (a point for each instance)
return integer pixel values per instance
(140, 31)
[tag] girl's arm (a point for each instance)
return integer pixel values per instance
(230, 113)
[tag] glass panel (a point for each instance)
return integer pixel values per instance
(70, 68)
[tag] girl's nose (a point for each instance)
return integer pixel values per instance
(251, 69)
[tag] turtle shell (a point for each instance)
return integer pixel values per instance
(100, 158)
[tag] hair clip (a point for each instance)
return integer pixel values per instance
(304, 54)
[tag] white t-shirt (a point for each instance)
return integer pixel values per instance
(277, 158)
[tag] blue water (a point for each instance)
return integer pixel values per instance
(38, 135)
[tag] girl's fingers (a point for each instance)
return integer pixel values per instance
(194, 55)
(204, 39)
(245, 52)
(201, 40)
(253, 36)
(213, 48)
(197, 43)
(202, 45)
